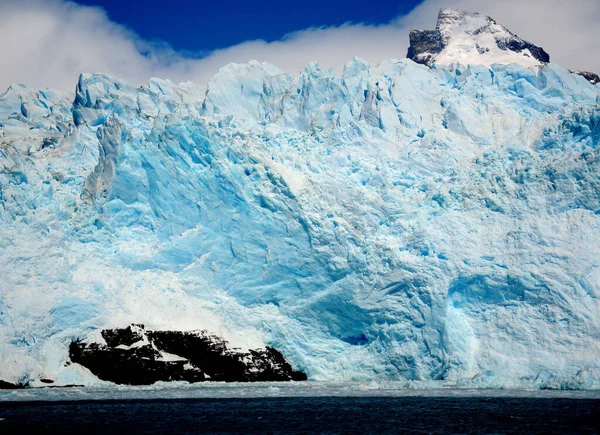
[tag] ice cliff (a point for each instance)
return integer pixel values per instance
(398, 222)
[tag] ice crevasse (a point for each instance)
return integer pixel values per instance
(398, 222)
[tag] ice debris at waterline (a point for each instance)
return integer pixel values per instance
(137, 356)
(397, 223)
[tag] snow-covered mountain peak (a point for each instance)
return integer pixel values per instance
(472, 38)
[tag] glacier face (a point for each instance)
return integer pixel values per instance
(397, 223)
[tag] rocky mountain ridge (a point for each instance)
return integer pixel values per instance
(472, 38)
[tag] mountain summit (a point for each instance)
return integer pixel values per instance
(471, 38)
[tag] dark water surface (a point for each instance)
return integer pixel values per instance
(329, 415)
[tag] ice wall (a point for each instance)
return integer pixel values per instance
(399, 222)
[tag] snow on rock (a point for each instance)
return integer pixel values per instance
(396, 223)
(136, 356)
(589, 76)
(471, 38)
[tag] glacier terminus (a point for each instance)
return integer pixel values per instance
(434, 220)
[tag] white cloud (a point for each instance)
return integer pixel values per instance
(47, 43)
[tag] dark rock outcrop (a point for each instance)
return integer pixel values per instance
(136, 356)
(589, 76)
(123, 337)
(519, 45)
(424, 45)
(10, 386)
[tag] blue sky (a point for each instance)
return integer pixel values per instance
(202, 25)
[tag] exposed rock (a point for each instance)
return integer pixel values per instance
(519, 45)
(10, 386)
(424, 44)
(589, 76)
(137, 366)
(136, 356)
(126, 337)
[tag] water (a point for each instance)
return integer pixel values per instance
(306, 415)
(287, 409)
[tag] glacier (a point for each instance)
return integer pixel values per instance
(397, 223)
